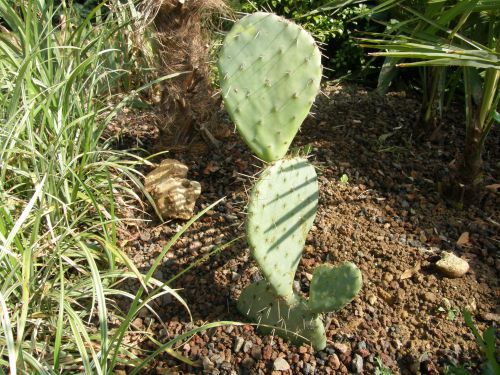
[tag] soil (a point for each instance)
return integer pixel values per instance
(388, 218)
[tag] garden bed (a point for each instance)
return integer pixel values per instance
(385, 215)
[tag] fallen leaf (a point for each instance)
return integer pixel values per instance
(493, 187)
(210, 168)
(410, 272)
(463, 239)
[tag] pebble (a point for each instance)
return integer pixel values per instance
(248, 362)
(361, 345)
(238, 344)
(430, 297)
(247, 346)
(307, 369)
(208, 365)
(296, 286)
(357, 364)
(226, 366)
(256, 353)
(280, 364)
(341, 348)
(334, 361)
(452, 266)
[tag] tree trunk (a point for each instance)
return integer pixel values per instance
(469, 173)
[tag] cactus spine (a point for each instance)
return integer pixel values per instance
(270, 73)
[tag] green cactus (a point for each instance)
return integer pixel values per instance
(281, 210)
(291, 319)
(270, 74)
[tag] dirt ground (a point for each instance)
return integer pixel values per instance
(388, 218)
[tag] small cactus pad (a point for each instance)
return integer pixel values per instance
(333, 287)
(291, 318)
(270, 72)
(281, 211)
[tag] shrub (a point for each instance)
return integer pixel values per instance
(333, 27)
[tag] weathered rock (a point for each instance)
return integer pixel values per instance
(280, 364)
(238, 344)
(357, 364)
(451, 265)
(174, 195)
(169, 168)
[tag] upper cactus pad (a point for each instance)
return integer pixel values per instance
(270, 72)
(281, 211)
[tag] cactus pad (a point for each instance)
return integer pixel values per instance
(333, 287)
(281, 211)
(292, 318)
(270, 72)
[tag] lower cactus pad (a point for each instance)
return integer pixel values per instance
(291, 319)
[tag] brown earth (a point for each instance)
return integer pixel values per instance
(388, 218)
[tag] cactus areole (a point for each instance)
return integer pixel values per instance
(270, 73)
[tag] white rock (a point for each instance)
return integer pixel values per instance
(174, 195)
(280, 364)
(451, 265)
(238, 344)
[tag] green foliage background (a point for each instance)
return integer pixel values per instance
(334, 28)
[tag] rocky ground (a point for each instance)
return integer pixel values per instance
(385, 215)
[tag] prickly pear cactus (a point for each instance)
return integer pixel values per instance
(290, 318)
(270, 71)
(281, 212)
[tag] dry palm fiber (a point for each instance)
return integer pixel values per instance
(183, 46)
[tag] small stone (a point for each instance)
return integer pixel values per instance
(388, 277)
(267, 352)
(491, 317)
(256, 353)
(307, 369)
(280, 364)
(452, 266)
(138, 323)
(296, 286)
(357, 364)
(247, 346)
(430, 297)
(361, 345)
(341, 348)
(208, 365)
(238, 344)
(372, 299)
(145, 235)
(363, 353)
(226, 366)
(334, 362)
(302, 349)
(248, 362)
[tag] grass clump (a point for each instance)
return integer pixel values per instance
(60, 265)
